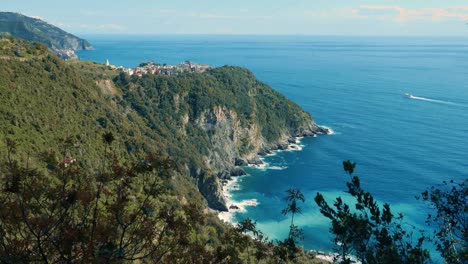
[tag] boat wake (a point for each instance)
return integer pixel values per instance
(410, 96)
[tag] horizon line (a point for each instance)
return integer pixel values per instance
(264, 35)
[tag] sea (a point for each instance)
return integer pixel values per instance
(356, 86)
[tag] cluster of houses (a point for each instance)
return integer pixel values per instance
(164, 69)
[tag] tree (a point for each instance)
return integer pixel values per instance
(371, 233)
(294, 195)
(118, 212)
(449, 200)
(288, 248)
(122, 212)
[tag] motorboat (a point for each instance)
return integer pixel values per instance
(408, 95)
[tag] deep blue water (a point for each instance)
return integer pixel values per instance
(355, 85)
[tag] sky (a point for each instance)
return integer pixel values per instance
(257, 17)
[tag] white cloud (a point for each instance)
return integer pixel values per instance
(401, 14)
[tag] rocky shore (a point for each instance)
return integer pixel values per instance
(290, 144)
(235, 143)
(231, 183)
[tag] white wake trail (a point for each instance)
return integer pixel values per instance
(432, 100)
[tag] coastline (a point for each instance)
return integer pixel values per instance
(232, 184)
(233, 206)
(329, 130)
(294, 144)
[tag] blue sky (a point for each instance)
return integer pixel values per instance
(271, 17)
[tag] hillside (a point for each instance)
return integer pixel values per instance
(143, 147)
(206, 122)
(34, 29)
(214, 120)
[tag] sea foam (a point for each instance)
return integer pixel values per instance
(277, 167)
(331, 132)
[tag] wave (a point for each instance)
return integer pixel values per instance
(235, 207)
(265, 166)
(329, 129)
(262, 166)
(294, 147)
(432, 100)
(277, 167)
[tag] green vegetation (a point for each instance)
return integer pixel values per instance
(33, 29)
(45, 101)
(289, 245)
(122, 212)
(231, 87)
(99, 166)
(370, 232)
(165, 101)
(374, 235)
(449, 200)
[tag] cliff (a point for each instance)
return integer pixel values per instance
(37, 30)
(221, 118)
(234, 143)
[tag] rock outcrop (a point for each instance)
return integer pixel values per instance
(215, 121)
(62, 43)
(227, 134)
(211, 189)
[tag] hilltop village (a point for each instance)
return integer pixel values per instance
(162, 69)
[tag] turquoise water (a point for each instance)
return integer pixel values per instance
(354, 85)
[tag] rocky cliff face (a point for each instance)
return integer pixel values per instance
(214, 122)
(75, 43)
(33, 29)
(234, 144)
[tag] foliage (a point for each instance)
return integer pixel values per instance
(120, 212)
(368, 231)
(44, 100)
(294, 195)
(287, 249)
(20, 49)
(158, 98)
(124, 212)
(449, 200)
(82, 171)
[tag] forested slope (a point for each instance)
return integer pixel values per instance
(96, 164)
